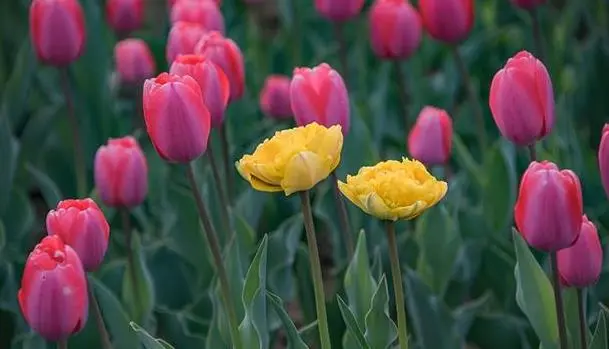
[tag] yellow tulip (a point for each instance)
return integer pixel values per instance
(293, 160)
(393, 190)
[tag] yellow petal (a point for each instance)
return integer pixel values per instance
(411, 211)
(303, 171)
(264, 186)
(374, 205)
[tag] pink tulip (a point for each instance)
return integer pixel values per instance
(580, 265)
(395, 29)
(339, 10)
(430, 140)
(183, 38)
(203, 12)
(275, 97)
(134, 62)
(603, 159)
(449, 21)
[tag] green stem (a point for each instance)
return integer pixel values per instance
(224, 211)
(537, 35)
(403, 92)
(397, 286)
(345, 227)
(99, 319)
(124, 212)
(62, 344)
(562, 330)
(228, 173)
(532, 152)
(583, 327)
(212, 241)
(342, 50)
(318, 286)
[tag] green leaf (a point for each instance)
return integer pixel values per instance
(380, 329)
(534, 294)
(2, 237)
(140, 305)
(571, 311)
(465, 159)
(500, 185)
(352, 325)
(294, 339)
(50, 191)
(28, 341)
(149, 341)
(599, 339)
(284, 242)
(9, 152)
(306, 297)
(18, 85)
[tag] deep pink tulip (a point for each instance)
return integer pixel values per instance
(449, 21)
(173, 2)
(549, 208)
(319, 95)
(522, 100)
(214, 84)
(82, 225)
(580, 265)
(528, 4)
(57, 30)
(53, 295)
(226, 54)
(603, 159)
(121, 173)
(395, 29)
(183, 38)
(339, 10)
(134, 61)
(275, 97)
(177, 120)
(203, 12)
(430, 139)
(125, 16)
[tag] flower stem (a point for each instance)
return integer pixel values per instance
(562, 331)
(318, 286)
(342, 50)
(62, 344)
(345, 227)
(79, 162)
(124, 211)
(221, 192)
(400, 78)
(397, 286)
(583, 327)
(99, 319)
(212, 241)
(532, 152)
(537, 35)
(228, 174)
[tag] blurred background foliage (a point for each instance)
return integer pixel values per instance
(459, 256)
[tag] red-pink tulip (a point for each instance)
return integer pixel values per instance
(177, 120)
(57, 30)
(603, 158)
(183, 38)
(339, 10)
(528, 4)
(214, 84)
(549, 209)
(319, 95)
(134, 61)
(430, 139)
(82, 225)
(226, 54)
(580, 265)
(173, 2)
(125, 16)
(121, 173)
(205, 13)
(395, 29)
(449, 21)
(53, 295)
(275, 97)
(522, 101)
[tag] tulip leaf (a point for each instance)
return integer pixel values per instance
(9, 152)
(147, 340)
(381, 331)
(599, 338)
(284, 242)
(306, 297)
(50, 192)
(140, 305)
(18, 85)
(500, 185)
(571, 311)
(352, 325)
(534, 294)
(294, 339)
(29, 340)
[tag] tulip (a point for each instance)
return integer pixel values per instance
(134, 61)
(430, 140)
(226, 54)
(53, 294)
(522, 101)
(603, 158)
(275, 97)
(121, 173)
(549, 208)
(205, 13)
(580, 265)
(125, 16)
(182, 39)
(177, 120)
(214, 84)
(319, 95)
(395, 29)
(173, 2)
(339, 10)
(528, 4)
(449, 21)
(57, 30)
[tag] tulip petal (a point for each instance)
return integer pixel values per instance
(303, 171)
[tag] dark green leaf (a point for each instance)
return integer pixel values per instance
(380, 329)
(140, 305)
(50, 191)
(294, 339)
(18, 85)
(9, 152)
(284, 243)
(149, 341)
(599, 339)
(352, 325)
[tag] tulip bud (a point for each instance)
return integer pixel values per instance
(522, 101)
(134, 62)
(177, 120)
(339, 10)
(82, 225)
(319, 95)
(549, 208)
(57, 30)
(603, 158)
(275, 97)
(205, 13)
(430, 140)
(170, 3)
(580, 265)
(449, 21)
(528, 4)
(121, 173)
(226, 54)
(214, 84)
(395, 29)
(125, 16)
(53, 295)
(182, 39)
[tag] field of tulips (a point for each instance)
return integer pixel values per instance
(269, 174)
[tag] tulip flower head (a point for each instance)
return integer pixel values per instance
(603, 158)
(57, 30)
(580, 265)
(395, 29)
(430, 140)
(548, 211)
(125, 16)
(53, 295)
(203, 12)
(449, 21)
(293, 160)
(182, 39)
(134, 62)
(528, 4)
(339, 10)
(522, 100)
(393, 190)
(275, 97)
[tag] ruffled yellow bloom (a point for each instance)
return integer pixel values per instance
(393, 190)
(293, 160)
